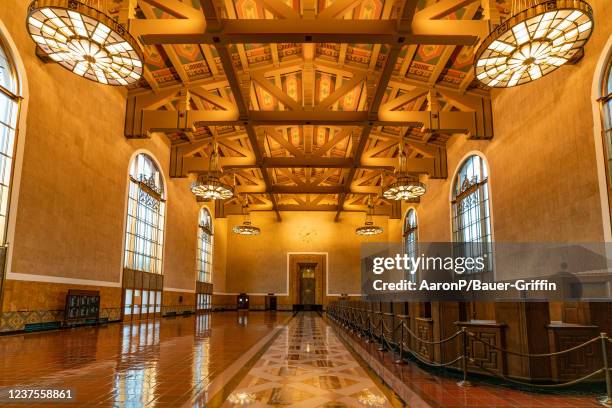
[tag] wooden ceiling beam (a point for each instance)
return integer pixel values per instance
(258, 31)
(239, 86)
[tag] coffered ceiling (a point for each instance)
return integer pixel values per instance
(308, 99)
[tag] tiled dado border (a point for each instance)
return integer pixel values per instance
(16, 321)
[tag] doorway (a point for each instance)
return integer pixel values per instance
(307, 273)
(307, 284)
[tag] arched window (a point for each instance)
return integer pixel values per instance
(411, 236)
(470, 210)
(9, 111)
(144, 235)
(606, 101)
(144, 239)
(204, 264)
(205, 246)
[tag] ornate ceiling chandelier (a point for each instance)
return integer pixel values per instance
(369, 228)
(246, 228)
(80, 37)
(406, 186)
(540, 36)
(208, 185)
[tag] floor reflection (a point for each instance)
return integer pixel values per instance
(156, 363)
(307, 366)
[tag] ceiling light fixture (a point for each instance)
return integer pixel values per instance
(80, 37)
(541, 36)
(407, 186)
(369, 228)
(209, 185)
(246, 228)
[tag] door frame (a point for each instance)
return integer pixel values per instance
(294, 259)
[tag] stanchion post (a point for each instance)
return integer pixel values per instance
(606, 400)
(400, 348)
(464, 359)
(382, 333)
(368, 327)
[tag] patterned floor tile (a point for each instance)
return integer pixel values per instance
(307, 366)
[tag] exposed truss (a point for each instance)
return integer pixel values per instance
(308, 102)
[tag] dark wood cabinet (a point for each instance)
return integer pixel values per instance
(82, 305)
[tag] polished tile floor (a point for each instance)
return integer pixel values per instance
(161, 363)
(307, 366)
(231, 359)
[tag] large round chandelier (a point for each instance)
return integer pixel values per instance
(246, 228)
(541, 36)
(369, 228)
(85, 41)
(209, 185)
(406, 187)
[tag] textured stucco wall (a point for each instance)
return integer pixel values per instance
(70, 216)
(543, 176)
(71, 208)
(259, 264)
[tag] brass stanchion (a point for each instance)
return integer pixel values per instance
(400, 349)
(382, 334)
(369, 328)
(607, 399)
(464, 360)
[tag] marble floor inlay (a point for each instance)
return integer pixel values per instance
(307, 366)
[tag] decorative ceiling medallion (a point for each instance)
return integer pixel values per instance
(534, 42)
(85, 41)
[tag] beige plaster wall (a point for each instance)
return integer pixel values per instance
(259, 264)
(71, 209)
(543, 176)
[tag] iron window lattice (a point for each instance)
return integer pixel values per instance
(205, 247)
(9, 115)
(145, 217)
(411, 239)
(606, 113)
(472, 235)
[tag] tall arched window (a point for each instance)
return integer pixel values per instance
(145, 216)
(606, 101)
(144, 239)
(470, 210)
(9, 111)
(205, 245)
(411, 237)
(204, 264)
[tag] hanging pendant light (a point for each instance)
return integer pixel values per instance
(541, 36)
(208, 185)
(80, 37)
(369, 228)
(406, 186)
(246, 228)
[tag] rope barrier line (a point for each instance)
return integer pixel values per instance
(551, 386)
(451, 337)
(556, 353)
(476, 338)
(362, 321)
(432, 363)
